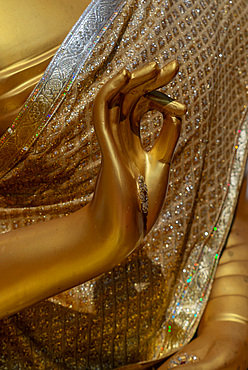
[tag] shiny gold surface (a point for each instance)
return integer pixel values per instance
(30, 35)
(138, 310)
(35, 27)
(229, 297)
(222, 337)
(96, 238)
(16, 82)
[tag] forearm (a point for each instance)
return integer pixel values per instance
(229, 297)
(41, 260)
(225, 321)
(44, 259)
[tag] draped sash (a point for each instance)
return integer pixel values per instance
(150, 305)
(56, 81)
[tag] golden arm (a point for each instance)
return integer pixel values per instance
(222, 337)
(44, 259)
(227, 309)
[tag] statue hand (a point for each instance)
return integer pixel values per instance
(222, 345)
(128, 169)
(94, 239)
(153, 165)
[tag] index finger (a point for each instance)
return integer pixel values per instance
(101, 104)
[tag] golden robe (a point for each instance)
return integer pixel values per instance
(151, 304)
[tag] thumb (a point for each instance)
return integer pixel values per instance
(166, 142)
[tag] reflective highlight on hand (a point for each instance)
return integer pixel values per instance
(129, 194)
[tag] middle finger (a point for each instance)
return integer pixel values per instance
(165, 75)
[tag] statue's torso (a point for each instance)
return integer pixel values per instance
(150, 304)
(30, 35)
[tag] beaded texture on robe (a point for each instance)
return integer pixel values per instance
(150, 305)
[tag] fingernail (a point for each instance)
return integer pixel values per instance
(159, 97)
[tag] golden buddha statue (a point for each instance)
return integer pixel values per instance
(99, 94)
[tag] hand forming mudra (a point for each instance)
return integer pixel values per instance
(41, 260)
(132, 179)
